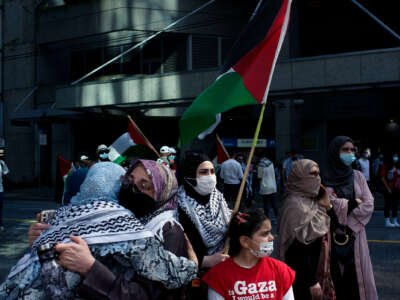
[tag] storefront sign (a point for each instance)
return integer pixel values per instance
(246, 143)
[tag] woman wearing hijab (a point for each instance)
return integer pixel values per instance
(149, 190)
(202, 211)
(353, 204)
(304, 236)
(110, 237)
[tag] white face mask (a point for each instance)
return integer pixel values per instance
(205, 184)
(265, 249)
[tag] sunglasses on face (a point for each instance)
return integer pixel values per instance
(104, 151)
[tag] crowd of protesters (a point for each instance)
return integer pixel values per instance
(131, 232)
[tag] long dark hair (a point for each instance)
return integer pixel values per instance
(243, 223)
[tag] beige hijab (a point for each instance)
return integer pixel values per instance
(301, 217)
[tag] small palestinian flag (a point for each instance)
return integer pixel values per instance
(222, 154)
(247, 72)
(65, 167)
(120, 148)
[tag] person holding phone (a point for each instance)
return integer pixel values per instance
(304, 232)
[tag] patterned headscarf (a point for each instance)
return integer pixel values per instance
(92, 214)
(102, 183)
(164, 181)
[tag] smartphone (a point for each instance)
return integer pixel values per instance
(47, 215)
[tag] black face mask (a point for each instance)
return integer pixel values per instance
(137, 202)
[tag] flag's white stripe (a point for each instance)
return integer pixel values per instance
(217, 116)
(281, 39)
(120, 146)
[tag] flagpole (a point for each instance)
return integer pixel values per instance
(246, 171)
(143, 136)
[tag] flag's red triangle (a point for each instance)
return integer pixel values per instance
(135, 135)
(222, 154)
(64, 165)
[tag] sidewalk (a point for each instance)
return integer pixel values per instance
(34, 194)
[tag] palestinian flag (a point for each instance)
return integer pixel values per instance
(65, 167)
(222, 154)
(120, 148)
(247, 72)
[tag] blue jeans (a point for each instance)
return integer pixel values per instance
(1, 208)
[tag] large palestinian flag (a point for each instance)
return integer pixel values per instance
(246, 75)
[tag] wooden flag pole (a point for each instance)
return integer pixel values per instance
(143, 136)
(246, 171)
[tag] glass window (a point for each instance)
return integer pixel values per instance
(174, 53)
(204, 52)
(115, 67)
(152, 56)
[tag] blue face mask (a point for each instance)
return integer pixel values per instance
(103, 155)
(395, 159)
(347, 158)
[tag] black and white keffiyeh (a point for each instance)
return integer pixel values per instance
(211, 220)
(156, 221)
(94, 215)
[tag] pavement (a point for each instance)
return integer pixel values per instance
(21, 207)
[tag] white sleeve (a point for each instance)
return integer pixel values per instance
(213, 295)
(4, 168)
(289, 294)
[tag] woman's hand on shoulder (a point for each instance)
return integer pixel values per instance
(212, 260)
(75, 256)
(191, 254)
(324, 201)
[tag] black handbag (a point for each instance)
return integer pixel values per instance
(343, 246)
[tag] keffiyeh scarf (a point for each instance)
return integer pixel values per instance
(95, 216)
(211, 220)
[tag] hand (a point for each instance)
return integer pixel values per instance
(324, 201)
(191, 254)
(211, 260)
(359, 201)
(35, 230)
(75, 256)
(316, 292)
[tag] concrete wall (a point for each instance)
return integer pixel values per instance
(318, 72)
(18, 37)
(338, 70)
(87, 18)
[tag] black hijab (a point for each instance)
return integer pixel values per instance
(190, 163)
(339, 176)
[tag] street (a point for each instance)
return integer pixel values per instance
(384, 243)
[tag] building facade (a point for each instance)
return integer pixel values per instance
(338, 73)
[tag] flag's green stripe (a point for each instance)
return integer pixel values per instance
(224, 94)
(119, 159)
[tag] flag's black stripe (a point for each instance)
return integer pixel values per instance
(253, 33)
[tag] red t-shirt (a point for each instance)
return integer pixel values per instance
(268, 279)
